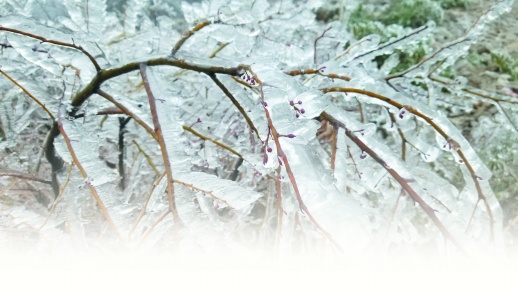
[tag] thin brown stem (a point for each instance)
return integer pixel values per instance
(187, 35)
(315, 44)
(235, 102)
(73, 155)
(24, 176)
(28, 93)
(189, 129)
(152, 227)
(148, 158)
(56, 42)
(58, 198)
(161, 142)
(317, 72)
(222, 46)
(127, 112)
(144, 207)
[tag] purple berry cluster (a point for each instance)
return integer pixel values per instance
(298, 111)
(249, 79)
(268, 149)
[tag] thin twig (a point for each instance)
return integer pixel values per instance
(56, 42)
(315, 44)
(222, 46)
(128, 112)
(28, 93)
(58, 198)
(24, 176)
(189, 129)
(235, 102)
(187, 35)
(161, 142)
(148, 158)
(144, 207)
(100, 203)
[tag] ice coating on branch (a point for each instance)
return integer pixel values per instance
(223, 154)
(226, 193)
(168, 105)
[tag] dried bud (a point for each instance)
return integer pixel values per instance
(269, 149)
(265, 104)
(291, 135)
(297, 115)
(265, 159)
(292, 103)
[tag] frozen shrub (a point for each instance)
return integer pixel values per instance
(257, 127)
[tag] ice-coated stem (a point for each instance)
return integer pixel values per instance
(161, 142)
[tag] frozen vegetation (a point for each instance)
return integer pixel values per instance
(239, 125)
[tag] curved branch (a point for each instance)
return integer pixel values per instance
(56, 42)
(107, 74)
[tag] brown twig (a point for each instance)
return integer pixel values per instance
(161, 142)
(28, 93)
(189, 129)
(56, 42)
(235, 102)
(127, 112)
(143, 211)
(58, 198)
(315, 44)
(100, 203)
(24, 176)
(424, 60)
(148, 158)
(317, 72)
(187, 35)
